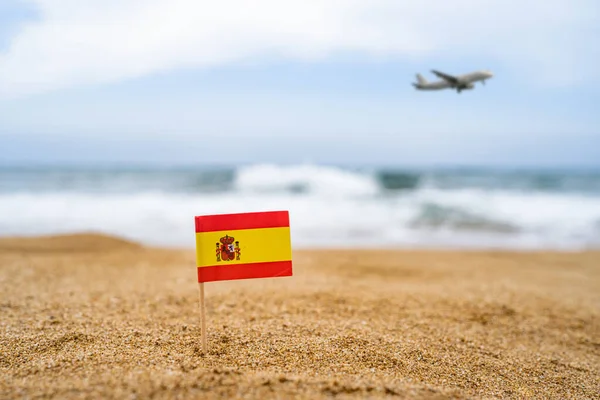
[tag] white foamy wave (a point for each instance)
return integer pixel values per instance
(527, 210)
(314, 179)
(426, 217)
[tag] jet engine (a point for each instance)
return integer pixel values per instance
(464, 86)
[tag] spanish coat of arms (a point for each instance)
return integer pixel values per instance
(226, 250)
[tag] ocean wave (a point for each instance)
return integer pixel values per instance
(435, 216)
(305, 179)
(326, 181)
(350, 217)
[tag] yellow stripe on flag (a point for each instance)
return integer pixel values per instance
(255, 245)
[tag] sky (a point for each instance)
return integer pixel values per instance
(323, 81)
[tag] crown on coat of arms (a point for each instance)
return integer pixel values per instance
(227, 239)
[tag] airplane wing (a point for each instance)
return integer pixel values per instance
(449, 78)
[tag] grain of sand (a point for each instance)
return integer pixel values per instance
(88, 316)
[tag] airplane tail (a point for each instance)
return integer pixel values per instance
(421, 80)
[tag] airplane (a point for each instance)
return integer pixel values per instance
(458, 82)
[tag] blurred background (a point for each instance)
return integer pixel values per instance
(130, 118)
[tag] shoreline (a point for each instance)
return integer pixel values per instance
(61, 241)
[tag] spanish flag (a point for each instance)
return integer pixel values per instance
(243, 246)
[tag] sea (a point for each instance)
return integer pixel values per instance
(330, 206)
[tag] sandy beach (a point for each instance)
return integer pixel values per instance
(90, 316)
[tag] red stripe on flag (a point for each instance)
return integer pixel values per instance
(245, 271)
(254, 220)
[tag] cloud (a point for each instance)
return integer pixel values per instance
(75, 42)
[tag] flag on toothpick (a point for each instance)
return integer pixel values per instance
(243, 246)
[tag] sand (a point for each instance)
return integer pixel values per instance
(88, 316)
